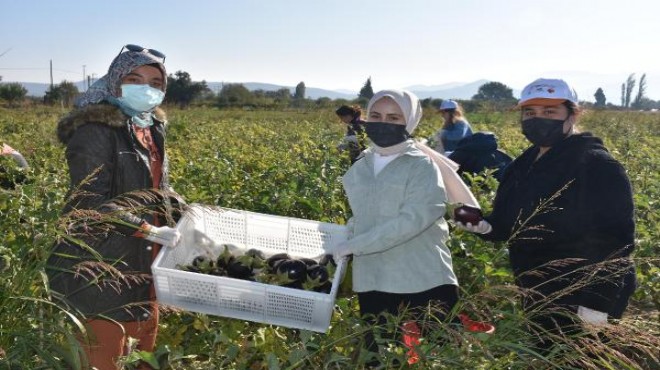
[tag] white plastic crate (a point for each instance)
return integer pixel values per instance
(203, 229)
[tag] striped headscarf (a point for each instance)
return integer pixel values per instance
(107, 87)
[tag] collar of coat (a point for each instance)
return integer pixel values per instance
(410, 149)
(97, 113)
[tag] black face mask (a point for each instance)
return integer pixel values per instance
(544, 132)
(386, 134)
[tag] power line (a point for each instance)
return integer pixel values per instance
(38, 69)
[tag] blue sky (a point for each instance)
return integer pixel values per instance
(338, 44)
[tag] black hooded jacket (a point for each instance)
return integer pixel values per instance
(106, 163)
(574, 205)
(478, 152)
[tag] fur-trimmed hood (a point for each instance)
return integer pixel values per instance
(97, 113)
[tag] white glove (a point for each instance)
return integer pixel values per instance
(592, 317)
(339, 251)
(7, 150)
(18, 157)
(483, 227)
(164, 235)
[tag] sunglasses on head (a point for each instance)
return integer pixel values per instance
(138, 48)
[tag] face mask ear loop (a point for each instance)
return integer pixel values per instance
(571, 129)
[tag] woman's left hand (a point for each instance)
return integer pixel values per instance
(592, 317)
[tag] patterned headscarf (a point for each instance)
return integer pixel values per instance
(407, 101)
(106, 87)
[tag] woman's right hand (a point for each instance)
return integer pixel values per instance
(483, 227)
(164, 235)
(7, 150)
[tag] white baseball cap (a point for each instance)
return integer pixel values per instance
(547, 91)
(448, 104)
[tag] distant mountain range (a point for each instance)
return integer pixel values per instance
(586, 84)
(454, 90)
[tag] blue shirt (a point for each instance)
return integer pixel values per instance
(455, 133)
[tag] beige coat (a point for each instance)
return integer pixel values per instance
(398, 230)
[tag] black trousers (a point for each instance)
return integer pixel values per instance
(374, 303)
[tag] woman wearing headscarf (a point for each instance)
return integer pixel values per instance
(565, 208)
(397, 196)
(119, 191)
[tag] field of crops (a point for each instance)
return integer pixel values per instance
(286, 163)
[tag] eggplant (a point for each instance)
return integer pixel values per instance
(256, 254)
(270, 262)
(326, 260)
(239, 270)
(308, 261)
(218, 271)
(318, 273)
(324, 288)
(201, 261)
(225, 258)
(295, 270)
(468, 214)
(318, 279)
(190, 268)
(294, 285)
(203, 264)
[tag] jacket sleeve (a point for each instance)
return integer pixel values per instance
(90, 155)
(500, 232)
(610, 229)
(423, 205)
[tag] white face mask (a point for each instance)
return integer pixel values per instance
(142, 98)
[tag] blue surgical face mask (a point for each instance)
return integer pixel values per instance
(141, 98)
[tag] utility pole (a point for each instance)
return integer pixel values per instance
(51, 75)
(84, 79)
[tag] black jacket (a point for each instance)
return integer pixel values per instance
(478, 152)
(106, 163)
(587, 218)
(356, 128)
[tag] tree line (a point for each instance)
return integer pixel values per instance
(183, 92)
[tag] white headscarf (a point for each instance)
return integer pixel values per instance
(457, 191)
(407, 101)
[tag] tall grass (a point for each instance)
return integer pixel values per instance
(286, 163)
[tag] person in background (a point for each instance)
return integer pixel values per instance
(565, 209)
(353, 141)
(115, 150)
(397, 197)
(8, 177)
(454, 129)
(479, 152)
